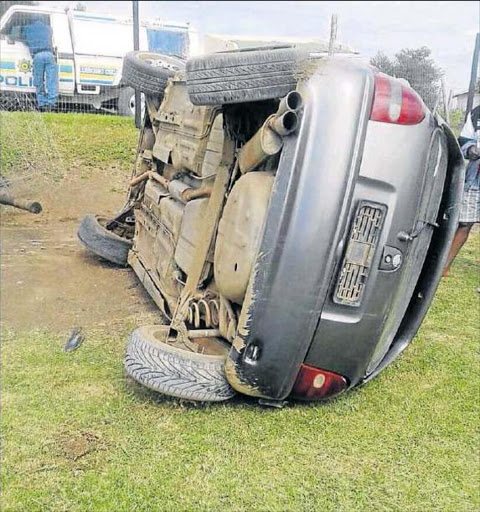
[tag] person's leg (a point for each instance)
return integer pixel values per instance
(38, 78)
(459, 239)
(51, 69)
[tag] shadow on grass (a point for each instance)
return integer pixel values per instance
(150, 397)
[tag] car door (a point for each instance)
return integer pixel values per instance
(62, 42)
(16, 62)
(100, 43)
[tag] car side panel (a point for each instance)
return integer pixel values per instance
(431, 273)
(393, 173)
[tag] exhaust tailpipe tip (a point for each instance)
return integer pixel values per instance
(292, 102)
(285, 123)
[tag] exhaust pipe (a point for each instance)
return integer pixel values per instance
(179, 190)
(268, 141)
(285, 123)
(291, 102)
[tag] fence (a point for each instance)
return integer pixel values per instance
(71, 61)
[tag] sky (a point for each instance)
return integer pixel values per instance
(448, 28)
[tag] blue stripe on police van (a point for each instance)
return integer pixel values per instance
(7, 65)
(66, 69)
(66, 79)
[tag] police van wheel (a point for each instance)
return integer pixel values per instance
(126, 102)
(149, 72)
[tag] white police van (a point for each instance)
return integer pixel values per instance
(89, 49)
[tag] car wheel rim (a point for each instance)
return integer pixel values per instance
(161, 61)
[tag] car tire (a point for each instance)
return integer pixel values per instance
(149, 72)
(176, 371)
(243, 75)
(104, 243)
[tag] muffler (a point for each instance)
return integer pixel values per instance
(268, 141)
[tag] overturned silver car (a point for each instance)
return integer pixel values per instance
(289, 213)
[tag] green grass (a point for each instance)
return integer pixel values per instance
(457, 121)
(52, 144)
(79, 436)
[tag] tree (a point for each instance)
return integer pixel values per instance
(80, 7)
(416, 66)
(383, 63)
(5, 4)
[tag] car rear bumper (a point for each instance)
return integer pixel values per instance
(304, 231)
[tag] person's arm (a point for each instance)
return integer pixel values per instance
(471, 151)
(468, 140)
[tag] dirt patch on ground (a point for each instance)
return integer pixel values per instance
(48, 279)
(77, 445)
(68, 199)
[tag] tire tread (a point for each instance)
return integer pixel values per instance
(243, 76)
(175, 374)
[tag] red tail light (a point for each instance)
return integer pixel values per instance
(315, 384)
(396, 103)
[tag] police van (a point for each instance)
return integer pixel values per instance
(89, 49)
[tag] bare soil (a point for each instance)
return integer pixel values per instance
(48, 279)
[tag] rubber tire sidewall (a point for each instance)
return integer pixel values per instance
(144, 77)
(95, 237)
(176, 372)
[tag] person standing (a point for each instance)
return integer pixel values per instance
(38, 37)
(470, 210)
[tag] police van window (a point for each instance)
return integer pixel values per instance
(168, 42)
(15, 24)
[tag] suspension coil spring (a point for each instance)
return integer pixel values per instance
(203, 309)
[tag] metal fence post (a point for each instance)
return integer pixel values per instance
(446, 106)
(473, 76)
(333, 35)
(136, 46)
